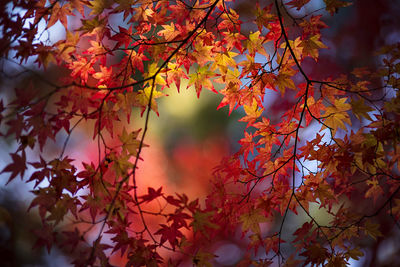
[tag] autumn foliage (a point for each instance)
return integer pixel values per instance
(332, 145)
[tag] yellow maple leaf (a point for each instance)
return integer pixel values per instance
(354, 253)
(336, 115)
(311, 46)
(129, 141)
(201, 78)
(283, 81)
(332, 6)
(251, 220)
(143, 97)
(396, 208)
(152, 70)
(98, 6)
(96, 48)
(142, 13)
(296, 48)
(223, 61)
(255, 44)
(372, 229)
(202, 52)
(360, 109)
(169, 32)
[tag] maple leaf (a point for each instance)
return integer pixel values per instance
(23, 97)
(298, 4)
(143, 98)
(249, 66)
(296, 48)
(360, 109)
(278, 168)
(45, 236)
(175, 74)
(229, 77)
(315, 254)
(337, 260)
(129, 141)
(68, 46)
(45, 55)
(284, 80)
(123, 37)
(58, 212)
(72, 238)
(78, 5)
(303, 232)
(98, 6)
(45, 199)
(396, 208)
(42, 173)
(251, 220)
(361, 72)
(98, 252)
(96, 49)
(232, 96)
(255, 44)
(92, 26)
(173, 201)
(152, 194)
(374, 191)
(315, 108)
(17, 167)
(263, 16)
(81, 68)
(234, 40)
(203, 259)
(292, 262)
(201, 222)
(372, 229)
(272, 243)
(125, 102)
(228, 22)
(312, 26)
(332, 6)
(223, 60)
(104, 75)
(201, 78)
(153, 71)
(354, 253)
(336, 115)
(169, 32)
(203, 53)
(324, 194)
(253, 112)
(169, 233)
(179, 219)
(94, 204)
(137, 59)
(107, 119)
(311, 46)
(142, 13)
(59, 13)
(247, 143)
(121, 163)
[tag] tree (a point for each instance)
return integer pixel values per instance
(332, 142)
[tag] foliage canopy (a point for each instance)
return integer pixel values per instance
(117, 56)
